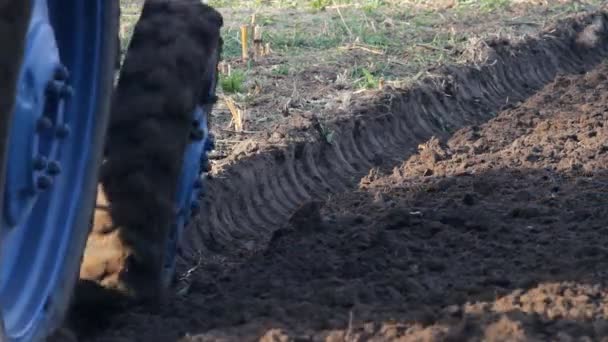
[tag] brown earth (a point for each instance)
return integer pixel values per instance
(472, 206)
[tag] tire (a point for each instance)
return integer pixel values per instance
(157, 134)
(44, 232)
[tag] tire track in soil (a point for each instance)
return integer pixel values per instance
(247, 202)
(265, 183)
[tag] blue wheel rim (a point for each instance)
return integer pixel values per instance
(190, 185)
(50, 146)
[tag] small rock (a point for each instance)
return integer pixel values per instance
(532, 158)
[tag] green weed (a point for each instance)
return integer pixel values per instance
(282, 70)
(364, 78)
(371, 5)
(485, 5)
(234, 82)
(320, 5)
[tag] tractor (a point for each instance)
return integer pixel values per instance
(99, 175)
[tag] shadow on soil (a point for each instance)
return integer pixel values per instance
(535, 238)
(445, 261)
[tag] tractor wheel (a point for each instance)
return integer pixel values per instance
(156, 147)
(56, 69)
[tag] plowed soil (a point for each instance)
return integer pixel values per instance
(473, 206)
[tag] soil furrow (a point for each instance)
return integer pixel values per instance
(308, 167)
(290, 174)
(511, 73)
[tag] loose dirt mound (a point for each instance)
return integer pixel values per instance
(496, 233)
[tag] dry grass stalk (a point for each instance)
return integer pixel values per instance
(224, 68)
(350, 33)
(361, 47)
(381, 83)
(258, 48)
(267, 50)
(236, 113)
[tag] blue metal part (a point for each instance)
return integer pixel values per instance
(54, 121)
(190, 186)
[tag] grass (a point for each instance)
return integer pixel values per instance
(485, 5)
(364, 78)
(282, 70)
(394, 29)
(233, 83)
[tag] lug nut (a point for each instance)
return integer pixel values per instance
(44, 182)
(54, 87)
(67, 91)
(210, 143)
(61, 73)
(39, 163)
(197, 134)
(63, 131)
(54, 168)
(195, 207)
(44, 123)
(205, 166)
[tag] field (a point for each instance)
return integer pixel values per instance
(325, 52)
(398, 170)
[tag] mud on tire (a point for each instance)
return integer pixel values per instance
(168, 70)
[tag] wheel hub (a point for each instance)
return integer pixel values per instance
(40, 123)
(52, 149)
